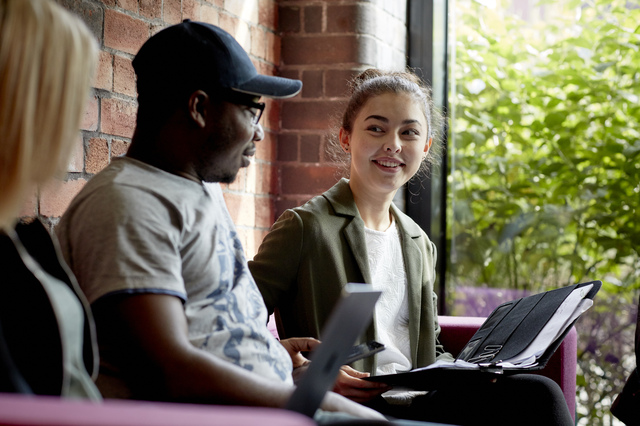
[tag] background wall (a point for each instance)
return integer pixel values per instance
(323, 43)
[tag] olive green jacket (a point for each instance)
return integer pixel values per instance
(312, 251)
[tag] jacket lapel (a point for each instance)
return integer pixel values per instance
(341, 199)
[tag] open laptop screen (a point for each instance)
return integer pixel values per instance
(347, 321)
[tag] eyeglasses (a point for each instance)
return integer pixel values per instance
(257, 108)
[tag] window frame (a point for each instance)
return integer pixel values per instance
(426, 198)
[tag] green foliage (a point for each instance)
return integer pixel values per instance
(545, 165)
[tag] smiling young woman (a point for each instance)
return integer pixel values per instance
(388, 141)
(354, 233)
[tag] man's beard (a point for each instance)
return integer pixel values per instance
(228, 178)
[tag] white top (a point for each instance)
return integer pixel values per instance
(392, 310)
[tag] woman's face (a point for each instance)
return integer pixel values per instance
(388, 141)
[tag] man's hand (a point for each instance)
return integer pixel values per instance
(299, 344)
(350, 384)
(296, 345)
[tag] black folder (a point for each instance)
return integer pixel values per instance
(542, 320)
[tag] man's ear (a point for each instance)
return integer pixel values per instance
(198, 103)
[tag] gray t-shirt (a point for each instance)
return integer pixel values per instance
(137, 229)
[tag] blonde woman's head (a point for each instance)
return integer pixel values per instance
(47, 60)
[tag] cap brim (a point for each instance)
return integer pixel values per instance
(270, 86)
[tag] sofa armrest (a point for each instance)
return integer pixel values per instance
(28, 410)
(457, 331)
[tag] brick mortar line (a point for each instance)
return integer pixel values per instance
(116, 52)
(304, 132)
(307, 165)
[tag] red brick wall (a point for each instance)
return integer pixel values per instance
(324, 44)
(121, 27)
(319, 42)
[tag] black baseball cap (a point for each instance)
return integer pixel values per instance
(195, 55)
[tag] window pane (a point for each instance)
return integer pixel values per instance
(544, 160)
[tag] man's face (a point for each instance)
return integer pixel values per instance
(231, 141)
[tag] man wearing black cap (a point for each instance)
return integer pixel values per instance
(179, 316)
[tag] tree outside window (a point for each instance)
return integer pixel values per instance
(544, 160)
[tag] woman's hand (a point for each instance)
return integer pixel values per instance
(349, 382)
(351, 385)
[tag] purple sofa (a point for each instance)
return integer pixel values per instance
(25, 410)
(457, 331)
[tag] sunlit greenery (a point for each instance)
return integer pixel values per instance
(544, 158)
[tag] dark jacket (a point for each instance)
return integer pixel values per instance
(47, 336)
(312, 251)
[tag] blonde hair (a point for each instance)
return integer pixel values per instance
(47, 60)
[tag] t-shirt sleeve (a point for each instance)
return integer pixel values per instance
(123, 240)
